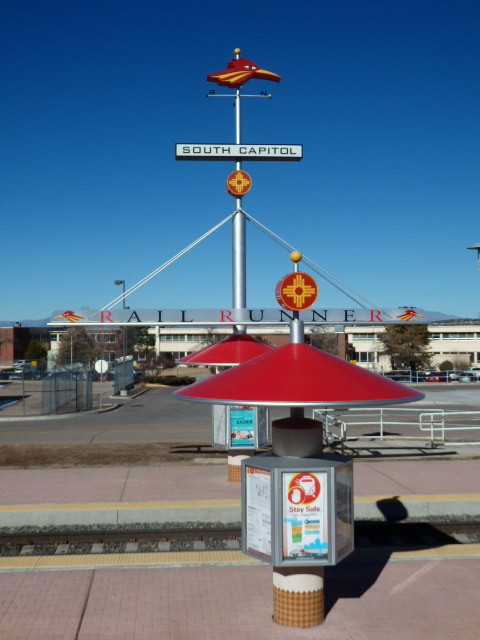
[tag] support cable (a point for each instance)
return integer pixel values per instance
(323, 273)
(162, 267)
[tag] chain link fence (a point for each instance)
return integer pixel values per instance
(67, 391)
(123, 374)
(28, 392)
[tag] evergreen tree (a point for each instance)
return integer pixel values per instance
(76, 346)
(35, 351)
(140, 341)
(407, 346)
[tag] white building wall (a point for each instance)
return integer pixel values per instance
(459, 343)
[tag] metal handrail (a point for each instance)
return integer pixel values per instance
(430, 420)
(443, 427)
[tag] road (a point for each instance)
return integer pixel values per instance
(156, 416)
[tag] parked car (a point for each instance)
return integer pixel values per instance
(468, 376)
(104, 377)
(19, 364)
(437, 376)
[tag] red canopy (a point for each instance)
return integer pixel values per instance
(299, 375)
(235, 349)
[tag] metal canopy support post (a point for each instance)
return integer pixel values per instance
(239, 246)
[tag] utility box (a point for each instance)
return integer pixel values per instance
(297, 511)
(240, 427)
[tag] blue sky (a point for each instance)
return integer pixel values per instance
(384, 96)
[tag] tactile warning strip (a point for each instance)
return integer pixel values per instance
(119, 506)
(196, 558)
(182, 504)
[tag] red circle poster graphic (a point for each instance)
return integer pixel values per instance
(297, 291)
(304, 488)
(239, 183)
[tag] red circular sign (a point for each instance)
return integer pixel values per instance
(304, 488)
(297, 291)
(239, 183)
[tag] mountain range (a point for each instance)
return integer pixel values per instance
(25, 323)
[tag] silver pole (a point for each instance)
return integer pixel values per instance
(297, 336)
(239, 247)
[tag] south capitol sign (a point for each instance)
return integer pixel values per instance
(187, 151)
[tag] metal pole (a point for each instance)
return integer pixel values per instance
(239, 253)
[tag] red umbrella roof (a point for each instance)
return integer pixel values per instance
(235, 349)
(299, 375)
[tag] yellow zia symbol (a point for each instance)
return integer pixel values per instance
(299, 290)
(239, 182)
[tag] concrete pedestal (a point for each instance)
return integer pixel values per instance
(235, 468)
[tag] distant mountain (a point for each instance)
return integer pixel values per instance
(25, 323)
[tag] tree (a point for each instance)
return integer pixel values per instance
(35, 351)
(140, 341)
(210, 337)
(327, 342)
(406, 346)
(76, 346)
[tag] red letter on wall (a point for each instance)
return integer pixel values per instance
(375, 315)
(105, 316)
(225, 316)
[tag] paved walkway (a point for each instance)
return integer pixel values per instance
(409, 597)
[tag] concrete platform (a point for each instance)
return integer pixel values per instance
(420, 594)
(414, 489)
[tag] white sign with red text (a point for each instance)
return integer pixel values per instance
(305, 526)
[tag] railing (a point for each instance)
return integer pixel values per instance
(435, 421)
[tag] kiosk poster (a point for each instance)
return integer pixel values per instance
(219, 419)
(242, 427)
(344, 537)
(259, 511)
(305, 528)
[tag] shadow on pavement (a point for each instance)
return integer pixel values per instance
(356, 574)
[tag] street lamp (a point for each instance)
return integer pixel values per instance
(124, 330)
(122, 282)
(476, 247)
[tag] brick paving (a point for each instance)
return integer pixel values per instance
(394, 600)
(117, 484)
(409, 600)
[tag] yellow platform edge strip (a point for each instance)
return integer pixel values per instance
(192, 504)
(196, 558)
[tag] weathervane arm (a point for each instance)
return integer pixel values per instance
(245, 95)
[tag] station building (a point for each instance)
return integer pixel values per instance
(15, 340)
(456, 341)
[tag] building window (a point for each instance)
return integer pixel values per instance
(365, 356)
(40, 337)
(105, 337)
(453, 336)
(364, 337)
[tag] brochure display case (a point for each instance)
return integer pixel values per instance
(297, 511)
(239, 427)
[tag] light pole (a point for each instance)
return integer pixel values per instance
(476, 247)
(122, 282)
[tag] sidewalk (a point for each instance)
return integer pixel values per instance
(411, 597)
(408, 597)
(118, 495)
